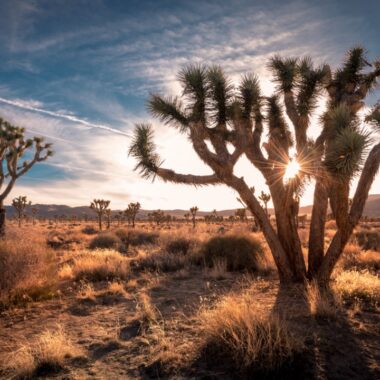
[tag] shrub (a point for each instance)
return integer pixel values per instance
(321, 304)
(369, 239)
(89, 230)
(240, 252)
(141, 237)
(47, 353)
(28, 270)
(100, 265)
(179, 246)
(355, 285)
(60, 240)
(238, 335)
(106, 240)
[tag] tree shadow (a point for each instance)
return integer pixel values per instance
(332, 350)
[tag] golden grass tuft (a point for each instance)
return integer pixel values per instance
(100, 265)
(320, 304)
(354, 285)
(48, 351)
(244, 336)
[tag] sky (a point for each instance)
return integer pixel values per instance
(79, 72)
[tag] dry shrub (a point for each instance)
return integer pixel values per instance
(355, 257)
(161, 262)
(238, 335)
(218, 269)
(46, 353)
(101, 265)
(240, 252)
(147, 314)
(136, 238)
(27, 270)
(321, 304)
(62, 240)
(179, 245)
(368, 239)
(353, 285)
(89, 230)
(106, 240)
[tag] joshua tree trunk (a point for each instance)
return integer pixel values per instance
(2, 220)
(100, 222)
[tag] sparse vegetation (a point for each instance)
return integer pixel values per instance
(240, 252)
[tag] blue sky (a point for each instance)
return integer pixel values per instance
(79, 72)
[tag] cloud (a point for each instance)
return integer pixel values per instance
(31, 106)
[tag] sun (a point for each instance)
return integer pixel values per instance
(292, 169)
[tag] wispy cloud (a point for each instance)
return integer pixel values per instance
(31, 107)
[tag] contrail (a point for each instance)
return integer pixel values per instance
(63, 116)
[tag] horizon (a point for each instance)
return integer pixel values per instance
(82, 80)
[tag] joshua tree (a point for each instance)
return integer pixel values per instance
(13, 147)
(120, 217)
(215, 112)
(265, 198)
(132, 211)
(158, 216)
(241, 214)
(100, 206)
(193, 212)
(108, 215)
(187, 217)
(20, 203)
(34, 213)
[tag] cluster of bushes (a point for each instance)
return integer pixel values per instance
(368, 239)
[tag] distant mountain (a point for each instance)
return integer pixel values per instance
(372, 209)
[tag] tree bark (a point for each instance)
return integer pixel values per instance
(2, 221)
(341, 237)
(279, 255)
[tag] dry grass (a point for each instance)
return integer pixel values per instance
(356, 257)
(27, 267)
(320, 303)
(47, 352)
(353, 285)
(238, 334)
(99, 265)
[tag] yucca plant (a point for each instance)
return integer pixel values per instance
(20, 203)
(14, 146)
(131, 212)
(100, 207)
(193, 212)
(232, 119)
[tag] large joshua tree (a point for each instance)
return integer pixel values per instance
(224, 122)
(17, 156)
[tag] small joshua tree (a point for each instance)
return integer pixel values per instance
(34, 213)
(132, 211)
(158, 216)
(193, 212)
(100, 206)
(187, 217)
(265, 198)
(108, 215)
(232, 119)
(241, 213)
(13, 147)
(20, 203)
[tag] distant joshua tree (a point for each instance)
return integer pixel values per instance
(241, 214)
(225, 122)
(265, 198)
(100, 206)
(13, 147)
(158, 216)
(34, 213)
(20, 203)
(187, 217)
(131, 212)
(108, 213)
(193, 212)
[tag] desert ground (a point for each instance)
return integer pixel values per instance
(177, 302)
